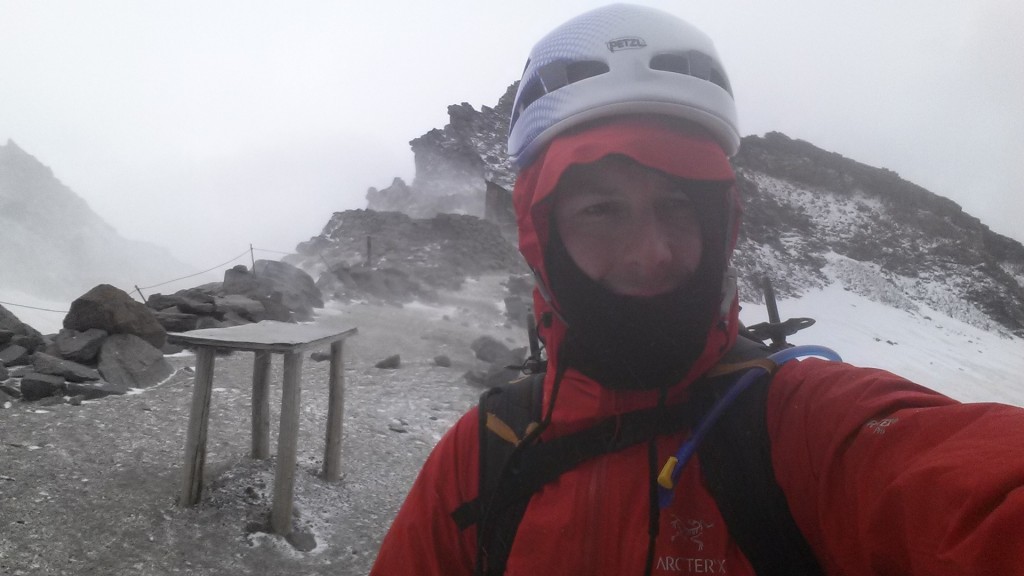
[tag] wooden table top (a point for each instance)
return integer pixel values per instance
(266, 335)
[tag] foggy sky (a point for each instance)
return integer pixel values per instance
(209, 126)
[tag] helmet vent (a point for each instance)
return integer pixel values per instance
(555, 75)
(576, 71)
(692, 63)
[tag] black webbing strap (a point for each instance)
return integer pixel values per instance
(544, 462)
(736, 462)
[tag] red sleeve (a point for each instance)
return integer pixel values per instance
(886, 477)
(424, 539)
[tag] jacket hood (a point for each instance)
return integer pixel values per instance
(681, 150)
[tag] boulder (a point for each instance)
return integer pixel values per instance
(163, 301)
(176, 321)
(114, 311)
(78, 346)
(296, 287)
(491, 350)
(246, 308)
(20, 333)
(238, 280)
(390, 363)
(4, 374)
(127, 360)
(278, 282)
(35, 386)
(15, 355)
(10, 389)
(94, 390)
(66, 369)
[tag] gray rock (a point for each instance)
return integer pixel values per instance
(491, 350)
(4, 373)
(301, 540)
(238, 280)
(35, 386)
(20, 371)
(5, 398)
(176, 321)
(94, 390)
(205, 322)
(5, 336)
(14, 355)
(21, 333)
(243, 307)
(79, 346)
(390, 363)
(114, 311)
(10, 389)
(70, 371)
(127, 360)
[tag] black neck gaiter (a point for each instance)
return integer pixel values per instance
(631, 342)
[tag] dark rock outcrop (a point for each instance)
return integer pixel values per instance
(14, 331)
(275, 291)
(391, 257)
(127, 360)
(66, 369)
(112, 310)
(78, 346)
(35, 386)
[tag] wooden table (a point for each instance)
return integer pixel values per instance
(265, 338)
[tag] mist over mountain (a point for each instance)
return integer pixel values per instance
(53, 245)
(811, 216)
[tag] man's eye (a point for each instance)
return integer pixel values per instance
(679, 203)
(600, 209)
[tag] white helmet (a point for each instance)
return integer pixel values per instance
(620, 59)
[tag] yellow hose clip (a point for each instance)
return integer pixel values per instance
(665, 478)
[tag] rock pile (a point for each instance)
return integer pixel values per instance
(109, 344)
(273, 291)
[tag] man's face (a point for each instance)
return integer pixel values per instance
(627, 227)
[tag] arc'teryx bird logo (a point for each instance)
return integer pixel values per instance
(626, 43)
(692, 529)
(880, 426)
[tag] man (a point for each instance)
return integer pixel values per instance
(628, 214)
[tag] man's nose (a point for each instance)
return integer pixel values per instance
(650, 245)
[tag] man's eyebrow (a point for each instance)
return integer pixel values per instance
(584, 187)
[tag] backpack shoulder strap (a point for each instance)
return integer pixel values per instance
(506, 413)
(735, 459)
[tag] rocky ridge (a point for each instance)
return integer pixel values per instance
(811, 217)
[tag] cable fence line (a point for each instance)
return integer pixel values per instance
(139, 289)
(33, 307)
(210, 269)
(251, 251)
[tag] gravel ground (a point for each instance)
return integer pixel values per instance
(92, 489)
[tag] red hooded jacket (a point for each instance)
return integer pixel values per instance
(882, 476)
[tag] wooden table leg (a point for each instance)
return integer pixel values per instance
(287, 440)
(335, 414)
(198, 419)
(261, 405)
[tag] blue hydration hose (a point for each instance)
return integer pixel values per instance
(675, 464)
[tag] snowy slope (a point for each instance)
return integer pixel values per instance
(926, 346)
